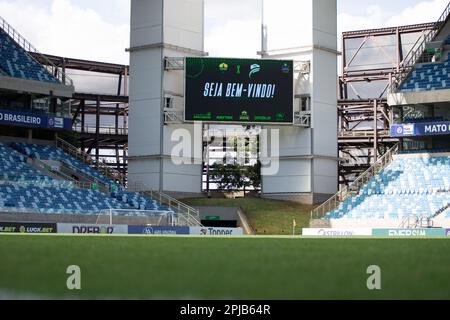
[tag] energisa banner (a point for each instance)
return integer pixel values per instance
(156, 230)
(336, 232)
(211, 231)
(420, 129)
(436, 232)
(17, 227)
(92, 228)
(26, 119)
(239, 90)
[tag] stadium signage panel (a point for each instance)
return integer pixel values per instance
(27, 119)
(420, 129)
(447, 232)
(436, 232)
(239, 90)
(14, 227)
(92, 228)
(213, 231)
(336, 232)
(157, 230)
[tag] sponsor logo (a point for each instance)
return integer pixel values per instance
(254, 68)
(280, 116)
(223, 67)
(423, 232)
(408, 129)
(336, 232)
(93, 229)
(147, 230)
(157, 230)
(448, 232)
(27, 227)
(244, 116)
(407, 233)
(212, 231)
(324, 232)
(58, 123)
(285, 68)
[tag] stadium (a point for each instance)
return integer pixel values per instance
(287, 176)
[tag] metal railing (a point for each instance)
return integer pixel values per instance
(173, 116)
(27, 46)
(190, 215)
(152, 217)
(91, 182)
(89, 160)
(365, 133)
(302, 119)
(419, 48)
(355, 186)
(109, 130)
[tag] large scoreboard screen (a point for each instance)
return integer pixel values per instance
(239, 90)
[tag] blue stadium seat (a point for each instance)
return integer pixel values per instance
(428, 76)
(25, 189)
(48, 152)
(415, 185)
(16, 62)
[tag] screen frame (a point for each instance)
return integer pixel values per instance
(239, 122)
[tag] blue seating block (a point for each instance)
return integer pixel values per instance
(16, 62)
(414, 185)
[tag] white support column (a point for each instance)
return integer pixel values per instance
(159, 29)
(308, 156)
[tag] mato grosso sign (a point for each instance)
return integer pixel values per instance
(239, 90)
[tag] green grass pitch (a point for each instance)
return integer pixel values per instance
(223, 268)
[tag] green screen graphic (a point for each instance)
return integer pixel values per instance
(239, 90)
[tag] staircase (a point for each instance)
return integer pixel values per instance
(418, 54)
(355, 186)
(28, 47)
(89, 160)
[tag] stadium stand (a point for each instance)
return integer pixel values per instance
(428, 76)
(16, 62)
(412, 184)
(48, 152)
(25, 189)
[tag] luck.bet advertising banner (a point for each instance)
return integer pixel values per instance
(92, 228)
(239, 90)
(17, 227)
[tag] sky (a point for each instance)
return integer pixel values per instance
(99, 29)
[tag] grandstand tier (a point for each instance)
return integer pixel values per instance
(49, 152)
(413, 184)
(17, 63)
(428, 76)
(26, 189)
